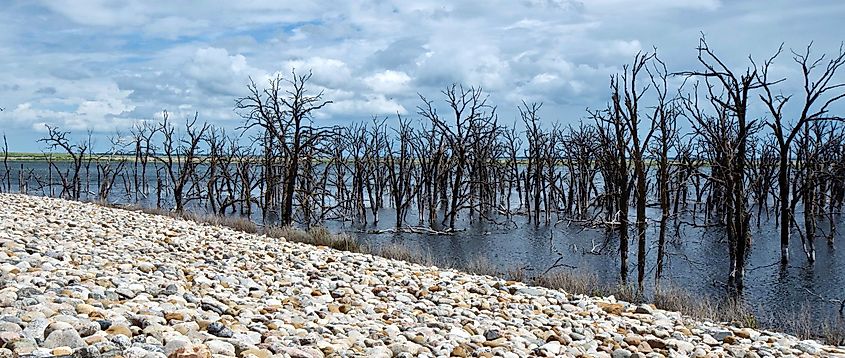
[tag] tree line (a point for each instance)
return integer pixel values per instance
(693, 152)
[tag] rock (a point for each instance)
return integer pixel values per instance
(119, 329)
(136, 352)
(681, 346)
(656, 343)
(620, 353)
(6, 337)
(170, 290)
(257, 353)
(61, 351)
(552, 347)
(219, 330)
(644, 309)
(808, 347)
(64, 338)
(721, 334)
(191, 351)
(8, 299)
(529, 291)
(175, 344)
(302, 353)
(35, 329)
(22, 346)
(492, 334)
(146, 267)
(748, 333)
(220, 347)
(611, 308)
(87, 352)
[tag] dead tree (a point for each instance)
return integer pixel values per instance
(6, 180)
(820, 90)
(613, 135)
(180, 159)
(109, 167)
(71, 180)
(537, 141)
(283, 110)
(142, 134)
(737, 89)
(400, 167)
(627, 104)
(472, 115)
(664, 118)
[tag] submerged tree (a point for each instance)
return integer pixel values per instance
(284, 111)
(820, 91)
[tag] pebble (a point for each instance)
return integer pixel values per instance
(85, 281)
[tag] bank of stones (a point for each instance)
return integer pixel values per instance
(82, 280)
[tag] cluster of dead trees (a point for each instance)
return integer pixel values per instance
(668, 150)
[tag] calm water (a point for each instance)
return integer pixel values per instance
(697, 258)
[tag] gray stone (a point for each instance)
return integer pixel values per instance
(219, 330)
(492, 334)
(621, 353)
(35, 329)
(64, 338)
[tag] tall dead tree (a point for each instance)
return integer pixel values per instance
(737, 88)
(472, 114)
(180, 159)
(400, 167)
(613, 135)
(820, 91)
(6, 180)
(664, 118)
(284, 111)
(626, 103)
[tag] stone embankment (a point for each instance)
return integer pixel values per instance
(82, 280)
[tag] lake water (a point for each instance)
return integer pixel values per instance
(697, 258)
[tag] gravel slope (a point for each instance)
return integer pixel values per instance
(83, 280)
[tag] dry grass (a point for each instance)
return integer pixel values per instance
(318, 236)
(573, 282)
(802, 324)
(479, 265)
(395, 251)
(728, 310)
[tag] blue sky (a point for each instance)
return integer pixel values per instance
(100, 66)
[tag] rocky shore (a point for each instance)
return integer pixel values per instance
(82, 280)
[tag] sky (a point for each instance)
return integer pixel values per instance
(100, 66)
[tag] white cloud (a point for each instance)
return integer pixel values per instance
(217, 71)
(96, 64)
(361, 108)
(326, 71)
(388, 82)
(100, 111)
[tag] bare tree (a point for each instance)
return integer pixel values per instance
(71, 180)
(284, 111)
(472, 116)
(820, 91)
(181, 158)
(733, 107)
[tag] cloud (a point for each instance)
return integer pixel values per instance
(326, 71)
(362, 108)
(388, 82)
(96, 64)
(218, 72)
